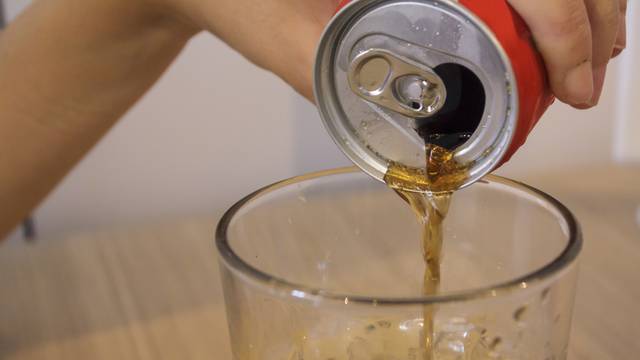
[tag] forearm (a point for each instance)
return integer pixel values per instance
(68, 70)
(278, 35)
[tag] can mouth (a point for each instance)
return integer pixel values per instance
(477, 121)
(460, 117)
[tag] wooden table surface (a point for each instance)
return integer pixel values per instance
(154, 293)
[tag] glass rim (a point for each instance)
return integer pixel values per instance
(286, 288)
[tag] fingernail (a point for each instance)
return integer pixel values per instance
(617, 50)
(599, 74)
(579, 83)
(621, 39)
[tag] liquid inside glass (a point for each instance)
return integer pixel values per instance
(428, 191)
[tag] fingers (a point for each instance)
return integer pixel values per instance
(604, 16)
(621, 39)
(562, 32)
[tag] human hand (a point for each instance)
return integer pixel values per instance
(576, 38)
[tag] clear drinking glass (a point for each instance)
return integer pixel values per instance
(329, 266)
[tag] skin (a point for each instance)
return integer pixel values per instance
(69, 69)
(577, 39)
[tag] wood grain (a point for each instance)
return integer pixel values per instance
(138, 294)
(154, 292)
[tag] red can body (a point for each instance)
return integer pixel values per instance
(534, 96)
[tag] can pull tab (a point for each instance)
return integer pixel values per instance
(396, 83)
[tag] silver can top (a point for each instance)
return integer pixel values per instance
(386, 70)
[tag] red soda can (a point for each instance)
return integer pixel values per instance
(391, 75)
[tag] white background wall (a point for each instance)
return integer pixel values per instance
(215, 128)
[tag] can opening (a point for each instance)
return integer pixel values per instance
(462, 112)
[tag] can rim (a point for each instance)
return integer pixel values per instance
(377, 170)
(284, 288)
(321, 49)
